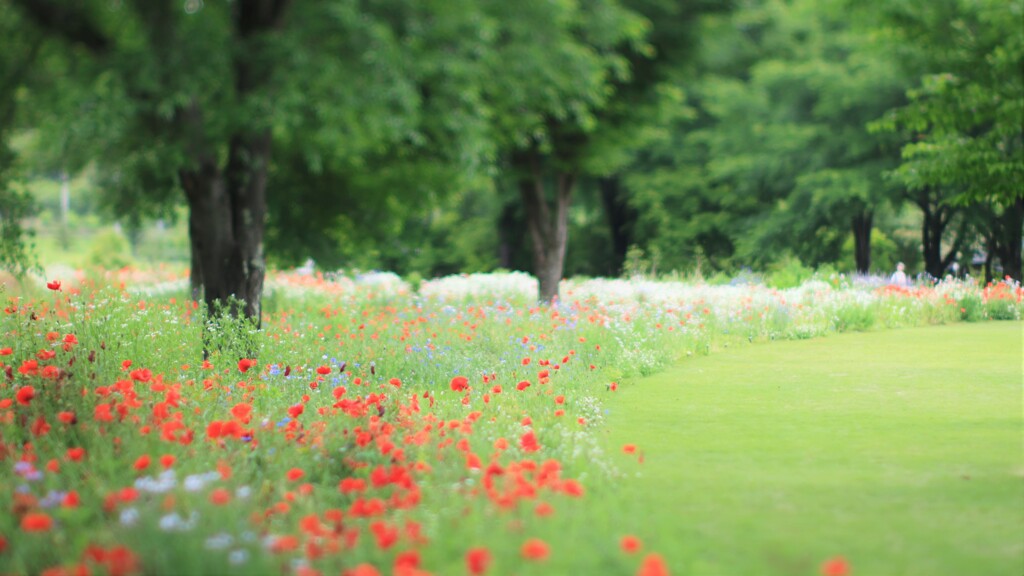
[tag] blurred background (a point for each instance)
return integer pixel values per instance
(564, 138)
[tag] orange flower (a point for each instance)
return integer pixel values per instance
(653, 565)
(478, 560)
(36, 522)
(535, 549)
(630, 544)
(242, 412)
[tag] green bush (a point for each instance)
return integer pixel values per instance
(788, 273)
(110, 250)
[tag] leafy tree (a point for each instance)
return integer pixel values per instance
(778, 158)
(16, 61)
(965, 135)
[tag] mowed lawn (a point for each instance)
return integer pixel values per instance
(901, 451)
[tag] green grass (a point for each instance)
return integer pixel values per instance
(899, 450)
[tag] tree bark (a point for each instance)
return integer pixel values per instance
(862, 240)
(548, 225)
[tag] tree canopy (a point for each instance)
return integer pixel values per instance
(441, 136)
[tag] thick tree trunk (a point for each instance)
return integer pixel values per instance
(862, 240)
(226, 215)
(621, 219)
(548, 225)
(1009, 246)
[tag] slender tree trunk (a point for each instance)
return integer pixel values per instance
(862, 240)
(937, 217)
(548, 225)
(621, 219)
(1009, 246)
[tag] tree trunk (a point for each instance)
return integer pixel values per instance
(226, 221)
(548, 225)
(862, 240)
(937, 217)
(1009, 246)
(621, 219)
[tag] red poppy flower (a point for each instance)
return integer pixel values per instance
(53, 285)
(6, 351)
(528, 442)
(395, 382)
(25, 395)
(242, 412)
(71, 500)
(362, 570)
(29, 368)
(653, 565)
(167, 460)
(459, 383)
(76, 454)
(295, 474)
(478, 560)
(323, 370)
(220, 496)
(67, 417)
(51, 372)
(535, 549)
(245, 363)
(142, 462)
(835, 567)
(523, 385)
(36, 522)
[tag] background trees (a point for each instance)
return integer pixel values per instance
(435, 137)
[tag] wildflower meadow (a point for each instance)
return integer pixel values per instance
(369, 426)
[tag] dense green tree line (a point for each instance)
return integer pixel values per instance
(436, 136)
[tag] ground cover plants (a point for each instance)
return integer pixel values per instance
(368, 427)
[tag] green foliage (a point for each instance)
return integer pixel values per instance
(963, 124)
(972, 308)
(110, 250)
(789, 272)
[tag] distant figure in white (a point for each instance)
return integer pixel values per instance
(899, 277)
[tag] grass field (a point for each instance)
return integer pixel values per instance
(900, 451)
